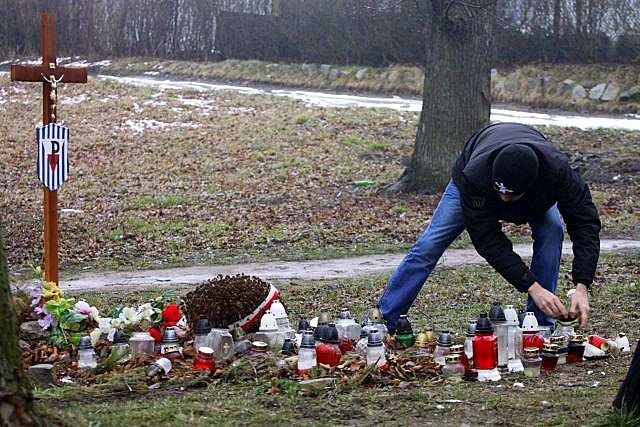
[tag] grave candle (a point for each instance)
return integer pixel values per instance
(485, 345)
(204, 360)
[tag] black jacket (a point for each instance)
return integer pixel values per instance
(556, 183)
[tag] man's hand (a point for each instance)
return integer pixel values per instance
(547, 301)
(580, 304)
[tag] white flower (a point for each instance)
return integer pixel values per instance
(145, 311)
(95, 314)
(95, 335)
(82, 307)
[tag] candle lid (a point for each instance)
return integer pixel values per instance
(577, 339)
(445, 339)
(422, 340)
(452, 358)
(277, 309)
(550, 348)
(403, 326)
(259, 346)
(376, 316)
(530, 322)
(308, 341)
(206, 350)
(303, 324)
(118, 337)
(345, 314)
(484, 325)
(557, 340)
(496, 313)
(531, 351)
(203, 327)
(567, 321)
(375, 339)
(331, 335)
(457, 349)
(471, 328)
(85, 343)
(169, 336)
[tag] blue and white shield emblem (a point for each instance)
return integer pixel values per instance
(53, 159)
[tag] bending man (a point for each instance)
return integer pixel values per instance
(509, 172)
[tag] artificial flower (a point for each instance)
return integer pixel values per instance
(46, 322)
(155, 333)
(50, 290)
(171, 315)
(82, 307)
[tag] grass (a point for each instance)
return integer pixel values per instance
(574, 395)
(252, 178)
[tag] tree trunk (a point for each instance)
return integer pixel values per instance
(16, 402)
(456, 99)
(628, 397)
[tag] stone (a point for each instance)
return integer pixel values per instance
(565, 87)
(393, 76)
(610, 93)
(309, 68)
(533, 84)
(597, 91)
(31, 331)
(334, 74)
(42, 375)
(24, 346)
(633, 94)
(362, 73)
(325, 69)
(578, 93)
(511, 82)
(318, 384)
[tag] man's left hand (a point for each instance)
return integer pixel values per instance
(580, 304)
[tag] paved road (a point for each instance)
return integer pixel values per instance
(304, 270)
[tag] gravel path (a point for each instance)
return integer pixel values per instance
(302, 270)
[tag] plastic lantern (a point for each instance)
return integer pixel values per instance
(202, 337)
(442, 347)
(328, 352)
(499, 324)
(404, 332)
(375, 350)
(530, 332)
(86, 355)
(204, 359)
(240, 342)
(468, 341)
(170, 347)
(513, 340)
(485, 350)
(307, 354)
(347, 326)
(282, 319)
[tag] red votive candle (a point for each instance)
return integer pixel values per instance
(550, 357)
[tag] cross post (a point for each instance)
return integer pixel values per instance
(49, 74)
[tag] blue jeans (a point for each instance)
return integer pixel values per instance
(446, 224)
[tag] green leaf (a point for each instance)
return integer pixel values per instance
(72, 317)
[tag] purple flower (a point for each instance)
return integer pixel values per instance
(36, 292)
(46, 321)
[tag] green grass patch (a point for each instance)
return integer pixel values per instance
(367, 144)
(573, 395)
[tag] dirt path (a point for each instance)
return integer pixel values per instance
(303, 270)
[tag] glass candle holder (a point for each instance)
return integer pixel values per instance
(485, 345)
(458, 350)
(453, 368)
(86, 355)
(443, 345)
(204, 360)
(532, 362)
(576, 349)
(375, 350)
(562, 348)
(142, 343)
(549, 357)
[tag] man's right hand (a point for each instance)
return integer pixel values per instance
(547, 301)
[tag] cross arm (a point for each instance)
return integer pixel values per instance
(30, 73)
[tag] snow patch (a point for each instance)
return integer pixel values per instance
(85, 63)
(140, 126)
(75, 100)
(152, 73)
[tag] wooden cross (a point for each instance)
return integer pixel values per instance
(49, 74)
